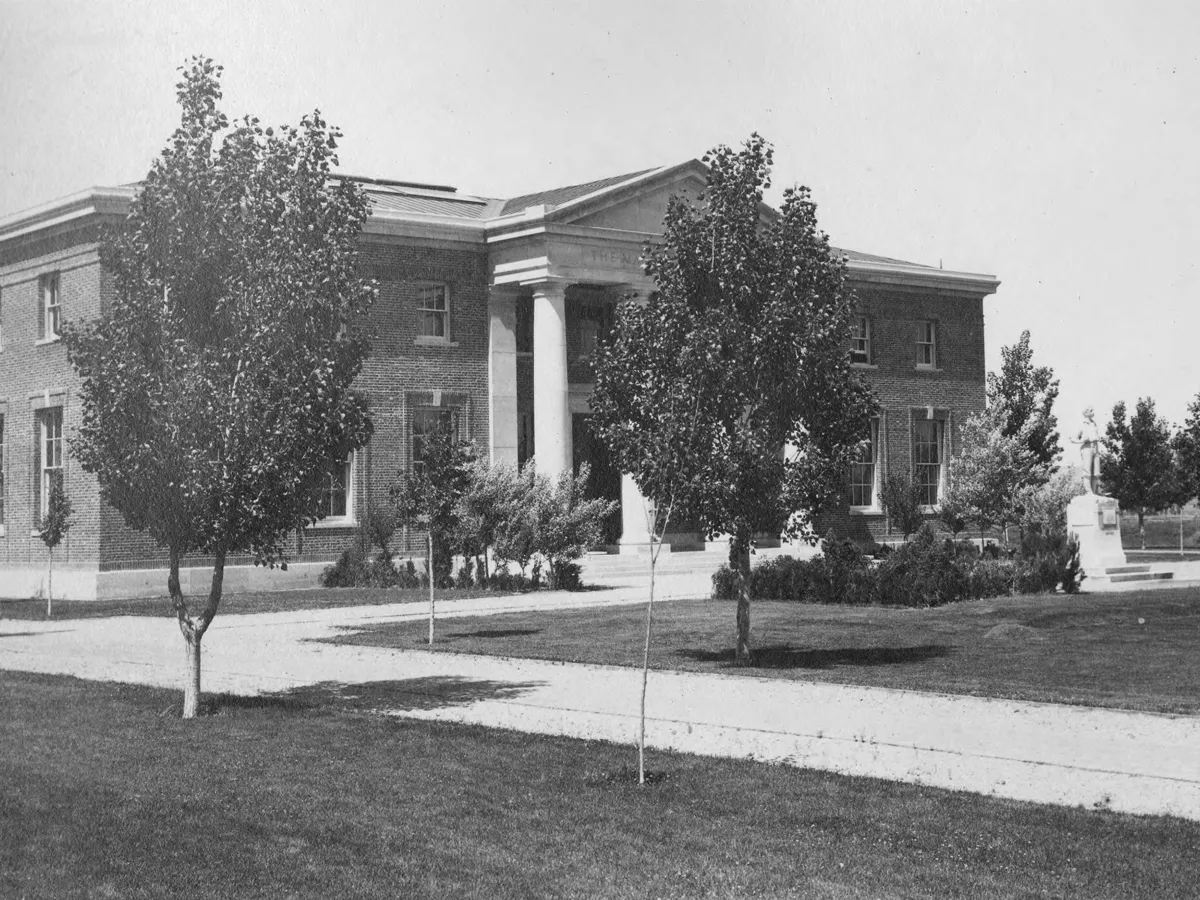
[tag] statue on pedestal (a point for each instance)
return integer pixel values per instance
(1088, 439)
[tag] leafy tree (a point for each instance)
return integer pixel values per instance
(1187, 452)
(901, 502)
(1138, 467)
(740, 353)
(217, 386)
(1021, 402)
(484, 508)
(568, 522)
(1045, 507)
(953, 513)
(429, 499)
(988, 478)
(53, 528)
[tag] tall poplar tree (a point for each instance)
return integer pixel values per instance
(729, 396)
(1020, 401)
(217, 385)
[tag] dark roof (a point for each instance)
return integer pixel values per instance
(561, 195)
(871, 257)
(427, 203)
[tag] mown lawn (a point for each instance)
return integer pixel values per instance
(232, 604)
(308, 796)
(1137, 650)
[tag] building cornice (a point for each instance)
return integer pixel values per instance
(899, 274)
(96, 201)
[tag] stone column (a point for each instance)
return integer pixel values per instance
(635, 536)
(502, 376)
(551, 415)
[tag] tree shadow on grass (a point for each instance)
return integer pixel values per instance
(401, 695)
(494, 633)
(782, 656)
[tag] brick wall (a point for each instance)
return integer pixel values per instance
(400, 373)
(954, 389)
(34, 375)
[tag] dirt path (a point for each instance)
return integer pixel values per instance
(1133, 762)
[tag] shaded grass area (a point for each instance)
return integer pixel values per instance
(234, 604)
(1136, 650)
(306, 797)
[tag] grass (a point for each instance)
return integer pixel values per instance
(233, 604)
(1162, 531)
(307, 796)
(1137, 650)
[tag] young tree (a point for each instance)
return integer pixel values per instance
(739, 354)
(989, 476)
(1138, 467)
(1020, 402)
(217, 385)
(901, 502)
(53, 528)
(429, 499)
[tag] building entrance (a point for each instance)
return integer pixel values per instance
(605, 481)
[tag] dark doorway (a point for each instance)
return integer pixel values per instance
(605, 481)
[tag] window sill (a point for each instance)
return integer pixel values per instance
(931, 510)
(433, 342)
(858, 365)
(866, 511)
(50, 340)
(928, 368)
(335, 522)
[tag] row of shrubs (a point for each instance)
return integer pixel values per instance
(358, 566)
(927, 571)
(507, 529)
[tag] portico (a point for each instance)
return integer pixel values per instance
(556, 273)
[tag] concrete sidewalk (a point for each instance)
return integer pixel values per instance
(1133, 762)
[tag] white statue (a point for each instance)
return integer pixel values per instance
(1088, 439)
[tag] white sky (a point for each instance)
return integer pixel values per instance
(1054, 145)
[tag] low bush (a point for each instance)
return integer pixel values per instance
(924, 572)
(356, 568)
(992, 578)
(927, 571)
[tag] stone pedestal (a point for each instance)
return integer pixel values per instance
(1096, 523)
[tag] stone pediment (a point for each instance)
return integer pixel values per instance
(636, 206)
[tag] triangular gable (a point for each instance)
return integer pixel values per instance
(636, 205)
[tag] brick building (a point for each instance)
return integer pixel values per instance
(488, 311)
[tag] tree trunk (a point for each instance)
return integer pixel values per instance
(49, 581)
(193, 628)
(646, 668)
(431, 586)
(191, 684)
(1142, 527)
(739, 561)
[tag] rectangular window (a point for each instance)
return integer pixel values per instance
(927, 345)
(860, 341)
(335, 501)
(864, 471)
(426, 422)
(49, 457)
(50, 325)
(433, 312)
(928, 454)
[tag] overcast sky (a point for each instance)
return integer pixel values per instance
(1054, 145)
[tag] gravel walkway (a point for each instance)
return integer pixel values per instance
(1132, 762)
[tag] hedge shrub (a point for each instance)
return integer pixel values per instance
(928, 571)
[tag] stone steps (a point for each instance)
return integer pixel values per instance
(1131, 574)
